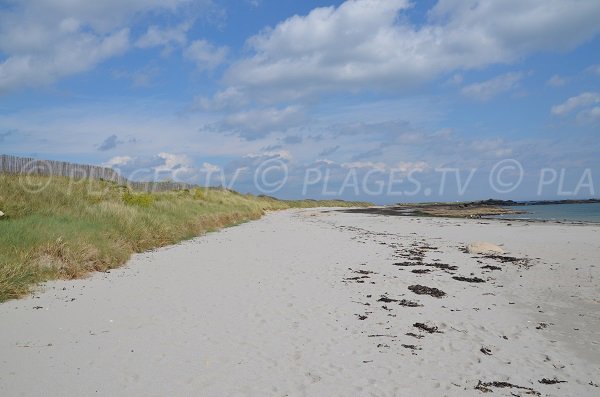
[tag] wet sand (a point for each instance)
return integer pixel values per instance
(313, 303)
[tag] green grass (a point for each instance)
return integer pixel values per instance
(73, 228)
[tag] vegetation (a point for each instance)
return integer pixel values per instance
(71, 228)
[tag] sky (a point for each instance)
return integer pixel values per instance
(384, 100)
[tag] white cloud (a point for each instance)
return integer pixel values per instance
(282, 154)
(589, 116)
(156, 36)
(362, 44)
(210, 168)
(73, 54)
(231, 97)
(408, 167)
(365, 164)
(140, 78)
(576, 102)
(163, 166)
(254, 3)
(488, 89)
(45, 40)
(595, 69)
(493, 147)
(206, 55)
(556, 81)
(261, 122)
(117, 161)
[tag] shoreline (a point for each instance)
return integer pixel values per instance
(456, 214)
(316, 302)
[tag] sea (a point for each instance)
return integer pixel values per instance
(589, 212)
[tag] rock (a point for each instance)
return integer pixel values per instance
(484, 248)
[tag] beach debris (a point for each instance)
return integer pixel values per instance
(386, 299)
(553, 381)
(421, 271)
(362, 316)
(1, 214)
(511, 259)
(407, 264)
(483, 248)
(469, 279)
(427, 328)
(414, 335)
(542, 325)
(486, 351)
(442, 266)
(485, 387)
(411, 347)
(409, 303)
(423, 290)
(363, 271)
(491, 267)
(381, 336)
(358, 279)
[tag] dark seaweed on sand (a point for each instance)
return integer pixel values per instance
(427, 328)
(469, 279)
(485, 387)
(509, 259)
(409, 303)
(423, 290)
(386, 299)
(554, 381)
(491, 267)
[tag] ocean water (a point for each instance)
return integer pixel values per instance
(557, 212)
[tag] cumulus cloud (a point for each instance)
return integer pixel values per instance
(329, 150)
(492, 147)
(586, 98)
(205, 55)
(595, 69)
(556, 81)
(229, 98)
(408, 167)
(157, 36)
(363, 44)
(141, 78)
(257, 123)
(488, 89)
(45, 40)
(163, 166)
(109, 143)
(365, 164)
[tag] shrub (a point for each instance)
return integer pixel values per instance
(144, 200)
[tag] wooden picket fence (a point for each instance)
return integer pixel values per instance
(30, 166)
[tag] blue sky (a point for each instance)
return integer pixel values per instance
(377, 99)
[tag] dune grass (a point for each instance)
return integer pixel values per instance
(72, 228)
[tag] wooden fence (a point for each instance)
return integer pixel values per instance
(30, 166)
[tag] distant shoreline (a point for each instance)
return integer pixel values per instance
(489, 209)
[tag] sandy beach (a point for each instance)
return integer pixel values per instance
(322, 303)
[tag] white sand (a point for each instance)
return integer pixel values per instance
(263, 310)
